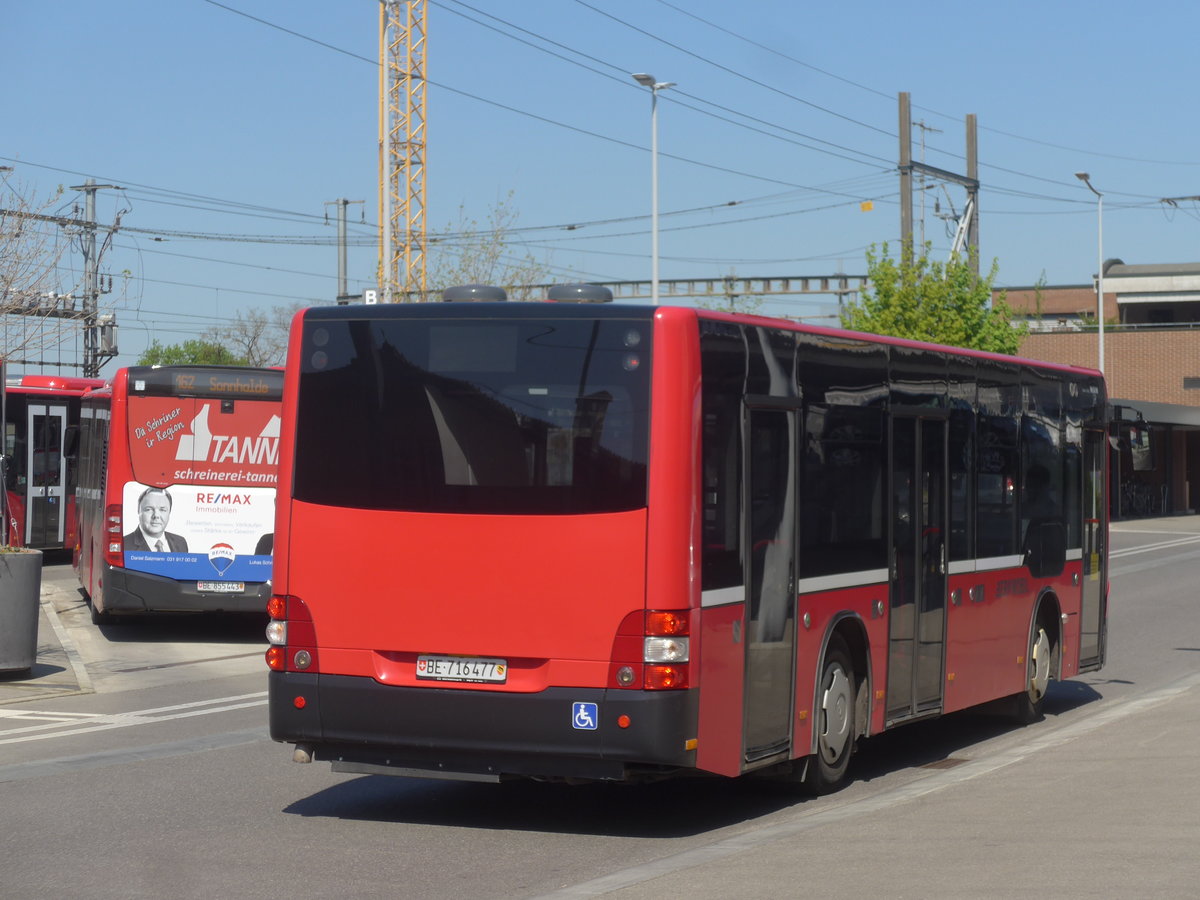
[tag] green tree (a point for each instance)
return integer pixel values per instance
(259, 337)
(927, 300)
(193, 352)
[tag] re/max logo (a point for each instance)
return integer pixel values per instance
(213, 499)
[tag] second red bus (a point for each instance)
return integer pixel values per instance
(178, 469)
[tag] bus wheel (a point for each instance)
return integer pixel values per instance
(1037, 678)
(834, 721)
(99, 617)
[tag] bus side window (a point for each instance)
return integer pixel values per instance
(723, 360)
(996, 506)
(843, 528)
(14, 452)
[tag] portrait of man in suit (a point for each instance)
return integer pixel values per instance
(154, 511)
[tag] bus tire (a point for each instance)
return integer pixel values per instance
(100, 617)
(1039, 663)
(834, 721)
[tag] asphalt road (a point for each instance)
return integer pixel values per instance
(155, 778)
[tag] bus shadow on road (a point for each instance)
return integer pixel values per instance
(1064, 696)
(949, 740)
(188, 628)
(676, 808)
(668, 809)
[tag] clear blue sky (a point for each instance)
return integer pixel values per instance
(236, 131)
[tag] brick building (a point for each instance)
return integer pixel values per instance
(1151, 365)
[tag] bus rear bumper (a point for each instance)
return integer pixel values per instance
(360, 725)
(127, 592)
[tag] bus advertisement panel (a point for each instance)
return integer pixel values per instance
(616, 542)
(191, 470)
(222, 502)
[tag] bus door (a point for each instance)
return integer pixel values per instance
(770, 510)
(46, 475)
(1091, 645)
(917, 647)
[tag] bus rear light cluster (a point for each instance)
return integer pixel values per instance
(114, 536)
(292, 636)
(666, 650)
(652, 651)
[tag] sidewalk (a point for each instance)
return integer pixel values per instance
(58, 670)
(1105, 807)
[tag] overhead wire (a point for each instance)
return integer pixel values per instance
(1080, 150)
(623, 80)
(238, 208)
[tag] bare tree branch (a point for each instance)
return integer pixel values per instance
(470, 253)
(35, 315)
(260, 337)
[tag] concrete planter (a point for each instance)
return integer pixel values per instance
(20, 596)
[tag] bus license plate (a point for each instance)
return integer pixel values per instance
(462, 668)
(221, 587)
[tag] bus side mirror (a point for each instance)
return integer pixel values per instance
(1046, 548)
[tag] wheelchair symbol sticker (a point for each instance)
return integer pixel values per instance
(585, 716)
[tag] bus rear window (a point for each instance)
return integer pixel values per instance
(529, 416)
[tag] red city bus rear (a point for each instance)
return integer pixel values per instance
(595, 542)
(497, 635)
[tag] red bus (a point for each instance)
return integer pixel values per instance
(178, 467)
(592, 541)
(41, 425)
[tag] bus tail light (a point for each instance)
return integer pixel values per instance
(652, 651)
(292, 635)
(114, 536)
(666, 650)
(665, 678)
(276, 658)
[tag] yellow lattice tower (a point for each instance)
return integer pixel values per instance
(402, 149)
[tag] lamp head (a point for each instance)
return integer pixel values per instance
(646, 80)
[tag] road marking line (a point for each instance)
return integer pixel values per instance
(66, 764)
(18, 713)
(108, 721)
(1163, 545)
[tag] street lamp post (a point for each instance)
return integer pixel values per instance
(655, 86)
(1084, 177)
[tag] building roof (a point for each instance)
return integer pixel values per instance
(1115, 268)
